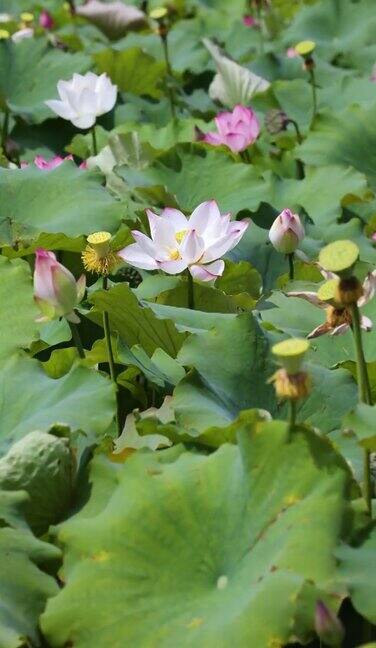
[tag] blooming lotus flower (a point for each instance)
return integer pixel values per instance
(56, 291)
(45, 20)
(237, 129)
(84, 98)
(286, 232)
(338, 318)
(178, 242)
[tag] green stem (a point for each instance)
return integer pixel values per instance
(5, 128)
(245, 157)
(314, 93)
(107, 334)
(170, 92)
(291, 266)
(364, 390)
(297, 130)
(292, 417)
(94, 139)
(261, 25)
(77, 339)
(191, 296)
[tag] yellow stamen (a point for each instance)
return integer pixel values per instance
(4, 34)
(180, 235)
(174, 255)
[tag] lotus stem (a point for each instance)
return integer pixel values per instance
(170, 92)
(77, 339)
(94, 139)
(364, 397)
(191, 297)
(292, 418)
(314, 93)
(291, 266)
(5, 128)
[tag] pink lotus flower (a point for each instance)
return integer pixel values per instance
(338, 318)
(178, 242)
(47, 165)
(45, 20)
(237, 129)
(328, 626)
(56, 291)
(286, 232)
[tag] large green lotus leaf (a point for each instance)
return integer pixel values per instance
(205, 550)
(18, 311)
(362, 422)
(30, 400)
(24, 588)
(336, 26)
(25, 93)
(62, 200)
(189, 320)
(322, 192)
(346, 138)
(195, 175)
(135, 324)
(357, 567)
(132, 70)
(233, 365)
(297, 318)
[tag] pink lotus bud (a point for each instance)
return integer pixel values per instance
(83, 165)
(45, 20)
(286, 232)
(55, 289)
(237, 129)
(328, 626)
(47, 165)
(250, 21)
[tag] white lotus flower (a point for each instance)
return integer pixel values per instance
(84, 98)
(178, 242)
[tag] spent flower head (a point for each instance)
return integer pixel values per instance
(98, 255)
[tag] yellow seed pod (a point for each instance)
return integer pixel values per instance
(328, 292)
(339, 257)
(27, 17)
(158, 13)
(290, 353)
(305, 48)
(97, 256)
(4, 34)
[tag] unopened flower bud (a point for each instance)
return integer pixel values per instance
(286, 232)
(328, 626)
(56, 291)
(45, 20)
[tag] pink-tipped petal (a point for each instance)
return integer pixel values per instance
(192, 247)
(173, 266)
(176, 218)
(137, 257)
(207, 272)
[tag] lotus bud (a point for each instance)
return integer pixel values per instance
(328, 626)
(45, 20)
(56, 291)
(286, 232)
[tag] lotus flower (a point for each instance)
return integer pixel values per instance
(237, 129)
(45, 20)
(178, 242)
(84, 98)
(328, 626)
(286, 232)
(250, 21)
(338, 318)
(47, 165)
(56, 291)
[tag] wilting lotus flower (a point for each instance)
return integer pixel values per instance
(338, 318)
(84, 98)
(237, 129)
(178, 242)
(47, 165)
(45, 20)
(56, 291)
(286, 232)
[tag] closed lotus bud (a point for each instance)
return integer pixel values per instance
(45, 20)
(56, 291)
(286, 232)
(328, 626)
